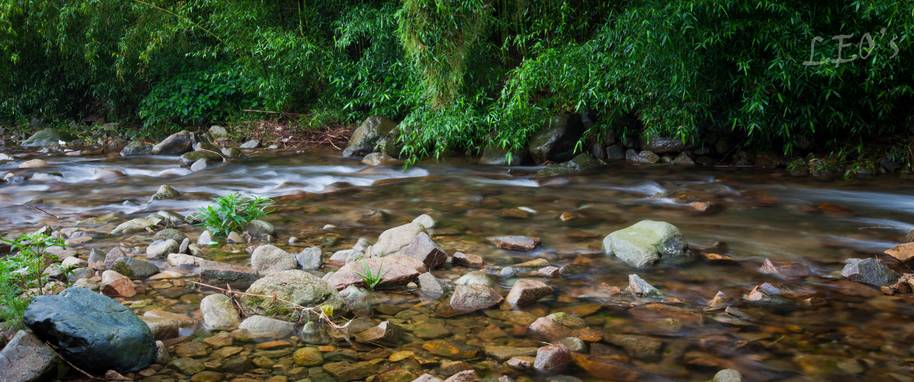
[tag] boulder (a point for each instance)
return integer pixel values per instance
(868, 271)
(219, 313)
(162, 248)
(425, 221)
(645, 243)
(135, 148)
(424, 249)
(309, 259)
(175, 144)
(165, 192)
(298, 287)
(526, 292)
(117, 285)
(266, 328)
(394, 270)
(394, 240)
(664, 145)
(430, 287)
(366, 136)
(26, 358)
(187, 159)
(268, 258)
(42, 138)
(218, 133)
(552, 359)
(92, 331)
(556, 141)
(134, 268)
(471, 298)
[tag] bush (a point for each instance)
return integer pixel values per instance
(232, 212)
(21, 274)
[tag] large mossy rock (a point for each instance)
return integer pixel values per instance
(42, 138)
(176, 144)
(645, 243)
(92, 331)
(555, 142)
(295, 286)
(367, 135)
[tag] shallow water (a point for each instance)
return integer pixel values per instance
(838, 330)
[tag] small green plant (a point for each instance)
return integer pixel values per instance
(370, 278)
(232, 212)
(21, 273)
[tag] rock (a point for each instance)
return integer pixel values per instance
(219, 313)
(645, 243)
(868, 271)
(581, 163)
(236, 277)
(358, 300)
(427, 378)
(92, 331)
(296, 286)
(904, 285)
(187, 366)
(470, 298)
(664, 145)
(198, 165)
(555, 326)
(309, 259)
(165, 325)
(683, 159)
(380, 159)
(425, 250)
(784, 269)
(526, 292)
(366, 136)
(727, 375)
(134, 268)
(112, 256)
(234, 238)
(521, 362)
(26, 358)
(640, 288)
(902, 252)
(394, 240)
(117, 285)
(260, 230)
(643, 157)
(218, 133)
(205, 238)
(430, 287)
(637, 346)
(548, 271)
(314, 333)
(346, 256)
(160, 249)
(268, 258)
(425, 221)
(351, 371)
(449, 349)
(266, 328)
(515, 242)
(135, 148)
(493, 155)
(188, 159)
(476, 278)
(4, 157)
(552, 359)
(250, 144)
(42, 138)
(555, 142)
(175, 144)
(169, 233)
(307, 356)
(467, 260)
(504, 353)
(33, 163)
(765, 293)
(385, 333)
(395, 270)
(605, 368)
(464, 376)
(136, 225)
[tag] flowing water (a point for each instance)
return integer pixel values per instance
(835, 330)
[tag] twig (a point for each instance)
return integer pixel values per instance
(42, 210)
(90, 376)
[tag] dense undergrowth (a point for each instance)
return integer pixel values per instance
(462, 73)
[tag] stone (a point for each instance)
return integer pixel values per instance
(188, 159)
(218, 133)
(26, 358)
(430, 287)
(526, 292)
(471, 298)
(314, 333)
(683, 159)
(199, 165)
(135, 225)
(366, 136)
(385, 333)
(298, 287)
(219, 313)
(357, 299)
(493, 155)
(556, 141)
(351, 371)
(476, 278)
(92, 331)
(902, 252)
(33, 163)
(427, 378)
(235, 276)
(727, 375)
(117, 285)
(503, 353)
(165, 325)
(395, 270)
(552, 359)
(234, 238)
(135, 148)
(346, 256)
(581, 163)
(269, 258)
(134, 268)
(309, 259)
(165, 192)
(521, 362)
(515, 242)
(307, 356)
(449, 349)
(260, 230)
(467, 260)
(187, 366)
(425, 221)
(380, 159)
(555, 326)
(394, 240)
(869, 271)
(205, 238)
(425, 250)
(645, 243)
(169, 233)
(605, 368)
(640, 288)
(160, 249)
(464, 376)
(175, 144)
(266, 328)
(42, 138)
(637, 346)
(249, 144)
(664, 145)
(784, 269)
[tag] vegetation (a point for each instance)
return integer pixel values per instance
(21, 274)
(462, 73)
(232, 212)
(370, 279)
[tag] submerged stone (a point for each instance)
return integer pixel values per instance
(645, 243)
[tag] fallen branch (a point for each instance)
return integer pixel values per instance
(83, 372)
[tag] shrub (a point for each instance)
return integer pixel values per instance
(232, 212)
(21, 273)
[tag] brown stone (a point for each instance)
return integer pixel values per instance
(552, 359)
(527, 291)
(468, 260)
(516, 243)
(470, 298)
(450, 349)
(902, 252)
(117, 285)
(606, 369)
(395, 270)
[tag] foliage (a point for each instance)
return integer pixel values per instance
(232, 213)
(370, 279)
(21, 273)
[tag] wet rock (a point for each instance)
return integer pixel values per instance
(640, 288)
(394, 240)
(664, 145)
(298, 287)
(117, 285)
(384, 333)
(351, 371)
(580, 164)
(470, 298)
(728, 375)
(503, 353)
(643, 157)
(476, 278)
(449, 349)
(307, 356)
(555, 142)
(249, 144)
(380, 159)
(395, 270)
(604, 368)
(234, 276)
(555, 326)
(366, 136)
(135, 148)
(26, 358)
(548, 271)
(904, 285)
(683, 159)
(346, 256)
(493, 155)
(765, 293)
(615, 152)
(467, 260)
(169, 233)
(219, 313)
(645, 243)
(430, 287)
(234, 238)
(552, 359)
(637, 346)
(136, 225)
(92, 331)
(868, 271)
(199, 165)
(425, 221)
(425, 250)
(266, 328)
(464, 376)
(515, 242)
(784, 269)
(161, 248)
(269, 258)
(134, 268)
(188, 159)
(309, 259)
(357, 299)
(314, 333)
(902, 252)
(527, 291)
(42, 138)
(187, 366)
(165, 325)
(205, 238)
(175, 144)
(259, 230)
(427, 378)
